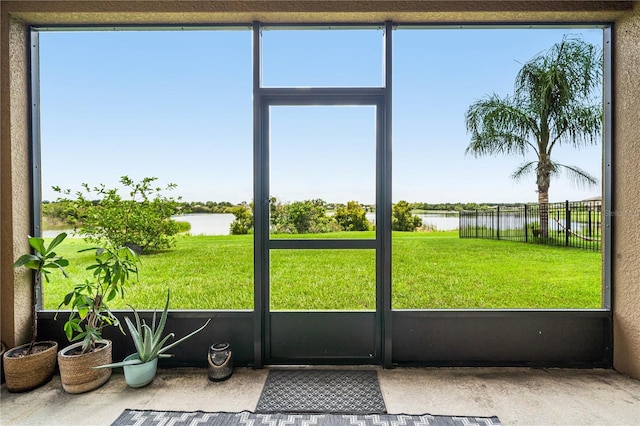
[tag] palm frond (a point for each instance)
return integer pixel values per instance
(524, 170)
(555, 101)
(498, 126)
(578, 176)
(568, 73)
(578, 126)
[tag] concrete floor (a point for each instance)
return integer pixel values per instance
(518, 396)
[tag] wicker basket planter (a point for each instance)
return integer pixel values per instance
(3, 349)
(76, 372)
(27, 372)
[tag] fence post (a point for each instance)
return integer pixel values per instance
(589, 221)
(526, 227)
(476, 223)
(498, 224)
(567, 222)
(491, 230)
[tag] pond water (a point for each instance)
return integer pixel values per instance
(445, 221)
(207, 223)
(201, 224)
(219, 223)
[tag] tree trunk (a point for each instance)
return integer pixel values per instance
(543, 211)
(543, 179)
(35, 290)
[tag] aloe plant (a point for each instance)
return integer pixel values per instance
(148, 339)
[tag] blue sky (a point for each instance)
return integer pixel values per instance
(178, 105)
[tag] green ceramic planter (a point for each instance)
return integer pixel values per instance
(139, 375)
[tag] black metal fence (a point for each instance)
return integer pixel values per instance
(570, 224)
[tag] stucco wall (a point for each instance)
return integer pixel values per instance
(626, 260)
(14, 181)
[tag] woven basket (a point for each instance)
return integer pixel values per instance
(76, 373)
(28, 372)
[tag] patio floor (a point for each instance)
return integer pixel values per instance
(518, 396)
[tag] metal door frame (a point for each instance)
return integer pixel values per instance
(380, 97)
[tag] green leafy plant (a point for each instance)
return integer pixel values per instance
(352, 217)
(301, 217)
(143, 220)
(42, 261)
(148, 339)
(88, 301)
(62, 213)
(402, 219)
(243, 223)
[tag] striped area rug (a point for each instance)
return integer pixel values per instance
(246, 418)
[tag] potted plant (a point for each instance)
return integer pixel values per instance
(90, 313)
(140, 367)
(31, 365)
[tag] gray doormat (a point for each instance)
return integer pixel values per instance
(200, 418)
(321, 391)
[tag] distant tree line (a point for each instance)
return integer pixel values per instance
(61, 212)
(208, 207)
(458, 206)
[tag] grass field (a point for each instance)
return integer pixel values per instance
(434, 270)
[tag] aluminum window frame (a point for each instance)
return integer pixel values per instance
(254, 354)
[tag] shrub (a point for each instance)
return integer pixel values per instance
(352, 217)
(143, 221)
(301, 217)
(243, 223)
(402, 219)
(62, 212)
(183, 226)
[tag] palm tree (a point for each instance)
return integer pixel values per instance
(555, 103)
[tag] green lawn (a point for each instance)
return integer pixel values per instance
(438, 270)
(430, 270)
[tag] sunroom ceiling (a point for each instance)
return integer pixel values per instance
(189, 12)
